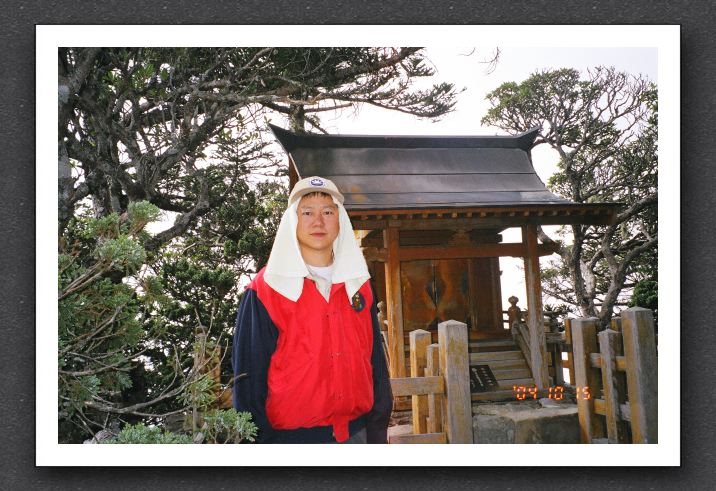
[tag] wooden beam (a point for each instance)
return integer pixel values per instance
(496, 294)
(535, 316)
(416, 253)
(403, 223)
(473, 286)
(411, 386)
(596, 360)
(475, 222)
(394, 304)
(588, 208)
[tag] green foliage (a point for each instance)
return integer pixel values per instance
(203, 279)
(121, 253)
(200, 393)
(180, 134)
(603, 129)
(141, 434)
(106, 227)
(137, 100)
(557, 313)
(220, 426)
(141, 213)
(228, 426)
(100, 332)
(646, 293)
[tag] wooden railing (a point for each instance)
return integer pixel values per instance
(615, 373)
(521, 335)
(555, 340)
(439, 386)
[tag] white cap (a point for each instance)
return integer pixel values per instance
(314, 184)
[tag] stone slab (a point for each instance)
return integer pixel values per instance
(525, 422)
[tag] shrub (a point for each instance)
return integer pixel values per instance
(228, 426)
(141, 434)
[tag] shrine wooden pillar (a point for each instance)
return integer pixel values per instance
(535, 318)
(394, 303)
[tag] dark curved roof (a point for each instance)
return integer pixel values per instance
(418, 172)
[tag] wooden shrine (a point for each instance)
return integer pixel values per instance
(428, 212)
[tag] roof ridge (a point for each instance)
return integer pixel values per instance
(291, 140)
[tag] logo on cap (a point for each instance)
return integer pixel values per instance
(317, 182)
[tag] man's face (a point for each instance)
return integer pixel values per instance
(317, 223)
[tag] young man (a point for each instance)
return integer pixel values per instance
(307, 357)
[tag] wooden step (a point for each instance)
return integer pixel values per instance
(478, 335)
(520, 373)
(476, 358)
(496, 395)
(509, 383)
(505, 391)
(498, 367)
(505, 364)
(497, 343)
(474, 336)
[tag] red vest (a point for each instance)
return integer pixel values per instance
(320, 373)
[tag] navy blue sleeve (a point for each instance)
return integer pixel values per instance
(378, 418)
(255, 339)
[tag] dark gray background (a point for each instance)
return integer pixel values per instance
(17, 216)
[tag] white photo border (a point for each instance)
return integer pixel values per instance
(663, 37)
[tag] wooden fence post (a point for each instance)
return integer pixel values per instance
(587, 379)
(642, 377)
(435, 401)
(419, 341)
(454, 365)
(610, 346)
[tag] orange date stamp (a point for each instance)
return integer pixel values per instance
(523, 392)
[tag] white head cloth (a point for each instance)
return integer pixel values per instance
(286, 269)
